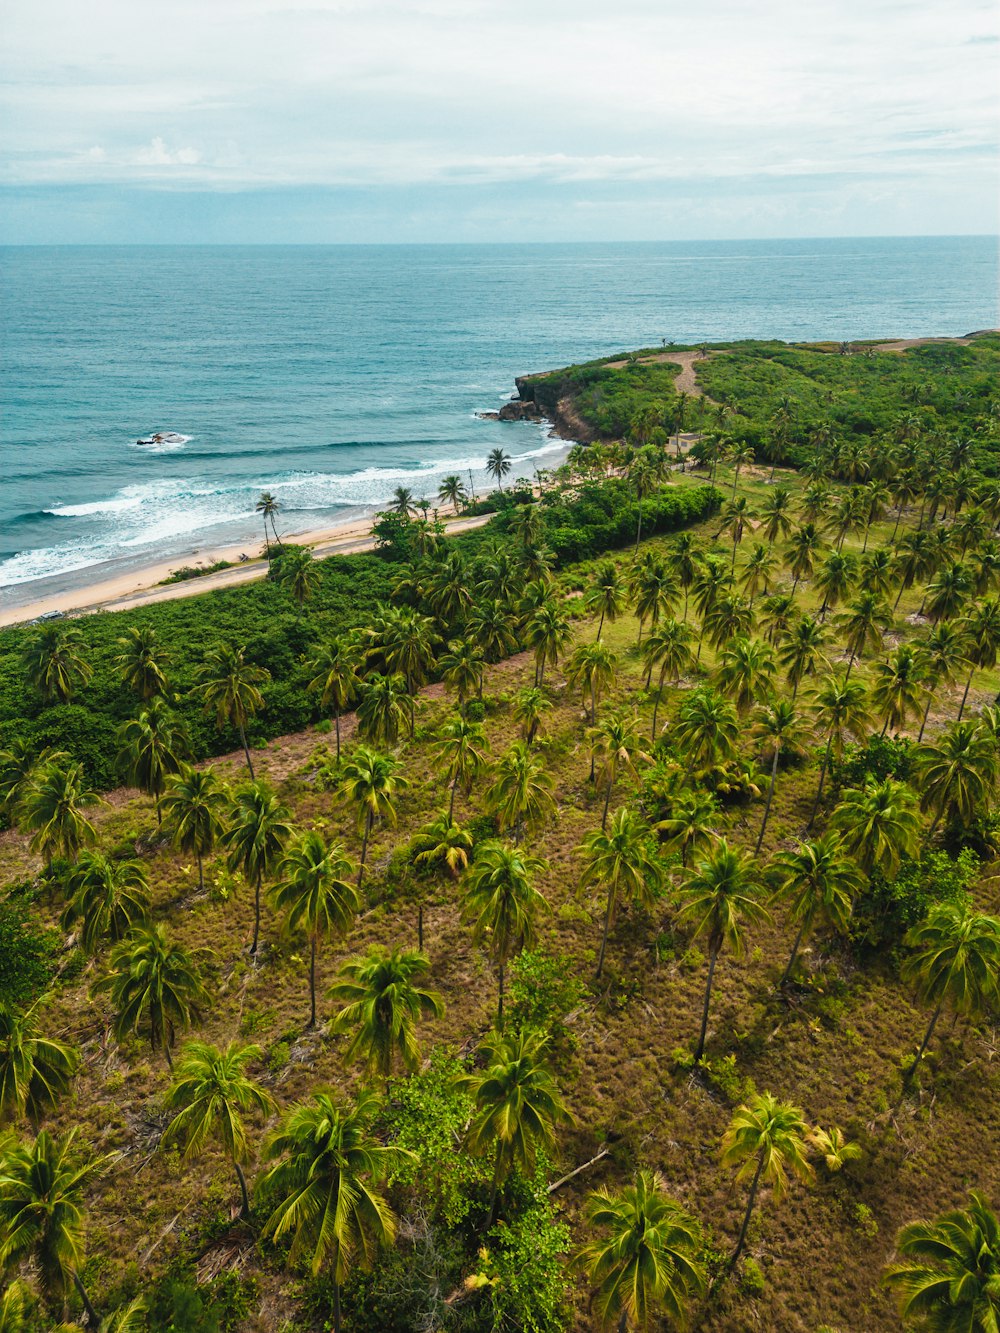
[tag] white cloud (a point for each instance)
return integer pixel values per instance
(250, 93)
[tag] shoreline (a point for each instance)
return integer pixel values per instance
(144, 584)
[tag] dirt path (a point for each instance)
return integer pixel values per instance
(903, 344)
(685, 381)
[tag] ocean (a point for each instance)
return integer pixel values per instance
(332, 374)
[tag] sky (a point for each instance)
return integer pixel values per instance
(358, 121)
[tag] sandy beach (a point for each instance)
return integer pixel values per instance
(141, 586)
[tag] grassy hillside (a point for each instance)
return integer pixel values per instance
(836, 1040)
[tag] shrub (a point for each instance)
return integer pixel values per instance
(27, 955)
(886, 909)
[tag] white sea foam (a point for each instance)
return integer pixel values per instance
(154, 518)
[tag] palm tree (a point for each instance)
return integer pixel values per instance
(669, 648)
(296, 570)
(448, 593)
(746, 672)
(591, 669)
(912, 560)
(736, 514)
(982, 636)
(720, 897)
(334, 667)
(682, 558)
(804, 548)
(35, 1070)
(491, 626)
(403, 502)
(530, 706)
(956, 962)
(142, 661)
(109, 899)
(317, 895)
(776, 515)
(383, 1002)
(441, 844)
(766, 1140)
(498, 465)
(326, 1175)
(948, 592)
(864, 624)
(151, 748)
(654, 590)
(944, 654)
(740, 455)
(516, 1105)
(783, 731)
(152, 979)
(229, 687)
(521, 793)
(405, 640)
(462, 669)
(643, 474)
(385, 705)
(620, 860)
(614, 745)
(269, 508)
(193, 803)
(501, 902)
(650, 1261)
(707, 729)
(52, 810)
(819, 884)
(546, 633)
(19, 765)
(42, 1192)
(834, 579)
(840, 707)
(53, 662)
(690, 825)
(895, 691)
(801, 653)
(957, 774)
(211, 1092)
(879, 824)
(371, 781)
(452, 491)
(462, 754)
(256, 838)
(758, 570)
(949, 1278)
(607, 595)
(779, 614)
(730, 617)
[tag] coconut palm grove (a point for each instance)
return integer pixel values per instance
(585, 921)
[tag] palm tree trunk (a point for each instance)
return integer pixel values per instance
(246, 751)
(495, 1188)
(201, 873)
(267, 540)
(336, 1287)
(500, 971)
(638, 531)
(604, 936)
(245, 1209)
(623, 1323)
(364, 847)
(166, 1052)
(791, 962)
(746, 1216)
(256, 914)
(607, 801)
(420, 927)
(911, 1072)
(451, 803)
(965, 696)
(600, 624)
(336, 724)
(312, 981)
(822, 775)
(713, 956)
(770, 798)
(927, 711)
(93, 1318)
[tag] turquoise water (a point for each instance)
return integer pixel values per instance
(331, 375)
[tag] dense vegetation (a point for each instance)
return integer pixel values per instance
(619, 950)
